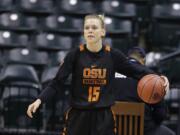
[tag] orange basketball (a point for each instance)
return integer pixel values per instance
(150, 89)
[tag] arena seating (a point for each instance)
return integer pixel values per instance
(19, 86)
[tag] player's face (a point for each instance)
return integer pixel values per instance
(93, 30)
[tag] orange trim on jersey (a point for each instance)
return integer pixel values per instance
(64, 132)
(115, 126)
(107, 48)
(81, 47)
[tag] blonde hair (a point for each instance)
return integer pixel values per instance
(100, 17)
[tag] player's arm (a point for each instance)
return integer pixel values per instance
(122, 65)
(137, 71)
(54, 85)
(64, 70)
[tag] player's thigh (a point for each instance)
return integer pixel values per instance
(106, 123)
(76, 123)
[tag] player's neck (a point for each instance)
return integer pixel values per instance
(94, 47)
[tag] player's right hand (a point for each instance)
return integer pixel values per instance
(166, 83)
(33, 107)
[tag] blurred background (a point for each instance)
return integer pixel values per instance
(35, 36)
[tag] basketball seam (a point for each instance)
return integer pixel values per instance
(153, 90)
(145, 84)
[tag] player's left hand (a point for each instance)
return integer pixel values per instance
(166, 83)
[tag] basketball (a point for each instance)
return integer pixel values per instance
(150, 89)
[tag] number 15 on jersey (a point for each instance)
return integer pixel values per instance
(93, 94)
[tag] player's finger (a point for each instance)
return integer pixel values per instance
(29, 111)
(166, 82)
(35, 108)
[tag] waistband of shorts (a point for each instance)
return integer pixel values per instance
(92, 108)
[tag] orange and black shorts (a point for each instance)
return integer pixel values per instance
(98, 121)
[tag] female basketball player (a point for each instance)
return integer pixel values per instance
(92, 66)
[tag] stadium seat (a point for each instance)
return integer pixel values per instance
(38, 60)
(165, 29)
(138, 1)
(166, 11)
(35, 6)
(63, 24)
(17, 102)
(118, 9)
(57, 58)
(6, 5)
(121, 42)
(10, 39)
(166, 1)
(171, 69)
(48, 74)
(20, 87)
(143, 12)
(14, 73)
(129, 118)
(18, 22)
(172, 100)
(26, 56)
(118, 26)
(76, 7)
(53, 42)
(1, 61)
(173, 1)
(173, 95)
(119, 33)
(162, 36)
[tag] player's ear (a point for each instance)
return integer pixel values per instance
(103, 33)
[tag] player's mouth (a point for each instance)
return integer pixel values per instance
(90, 36)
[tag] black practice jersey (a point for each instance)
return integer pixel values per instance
(92, 76)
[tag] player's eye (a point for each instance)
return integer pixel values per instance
(86, 27)
(94, 27)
